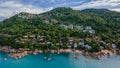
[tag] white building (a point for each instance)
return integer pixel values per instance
(75, 45)
(79, 27)
(70, 26)
(87, 46)
(113, 45)
(92, 31)
(88, 28)
(46, 21)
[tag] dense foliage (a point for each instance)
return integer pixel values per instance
(106, 24)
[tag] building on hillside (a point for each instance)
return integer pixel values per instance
(49, 43)
(25, 37)
(91, 31)
(41, 38)
(71, 39)
(31, 36)
(75, 45)
(58, 44)
(63, 26)
(79, 27)
(70, 26)
(46, 21)
(88, 28)
(54, 21)
(69, 46)
(101, 47)
(113, 45)
(87, 47)
(82, 43)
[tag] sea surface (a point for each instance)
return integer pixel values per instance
(48, 60)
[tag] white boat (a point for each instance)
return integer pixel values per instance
(5, 59)
(45, 57)
(49, 59)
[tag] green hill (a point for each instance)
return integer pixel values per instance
(106, 24)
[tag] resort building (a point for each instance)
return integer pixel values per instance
(70, 26)
(46, 21)
(87, 47)
(88, 28)
(53, 21)
(75, 45)
(79, 27)
(82, 43)
(113, 45)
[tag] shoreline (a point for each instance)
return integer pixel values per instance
(19, 53)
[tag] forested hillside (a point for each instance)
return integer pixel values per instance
(105, 23)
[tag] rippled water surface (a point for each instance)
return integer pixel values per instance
(58, 61)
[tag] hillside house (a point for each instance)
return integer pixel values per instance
(49, 43)
(87, 47)
(88, 28)
(71, 39)
(75, 45)
(91, 31)
(25, 37)
(82, 43)
(79, 27)
(113, 45)
(54, 21)
(31, 36)
(46, 21)
(70, 26)
(101, 47)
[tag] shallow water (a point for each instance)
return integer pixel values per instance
(59, 61)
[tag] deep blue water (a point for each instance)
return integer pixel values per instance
(59, 61)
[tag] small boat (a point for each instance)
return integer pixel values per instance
(45, 58)
(5, 59)
(77, 57)
(49, 59)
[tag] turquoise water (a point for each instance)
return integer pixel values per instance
(59, 61)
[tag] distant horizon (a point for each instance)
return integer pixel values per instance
(9, 8)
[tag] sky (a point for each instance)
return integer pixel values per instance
(9, 8)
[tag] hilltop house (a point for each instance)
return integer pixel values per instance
(26, 16)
